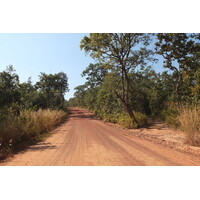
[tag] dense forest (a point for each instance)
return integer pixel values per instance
(122, 87)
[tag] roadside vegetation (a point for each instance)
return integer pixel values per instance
(189, 119)
(28, 111)
(123, 87)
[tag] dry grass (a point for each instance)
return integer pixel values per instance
(34, 123)
(189, 118)
(27, 126)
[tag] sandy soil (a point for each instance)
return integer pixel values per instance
(84, 140)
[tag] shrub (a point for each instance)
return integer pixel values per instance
(170, 116)
(142, 119)
(108, 117)
(189, 118)
(125, 121)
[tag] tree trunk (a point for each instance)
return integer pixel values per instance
(125, 93)
(128, 108)
(130, 112)
(178, 87)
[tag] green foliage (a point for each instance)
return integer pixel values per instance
(122, 81)
(126, 121)
(48, 92)
(123, 53)
(53, 87)
(95, 74)
(170, 116)
(181, 54)
(9, 87)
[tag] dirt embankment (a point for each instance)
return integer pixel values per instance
(84, 140)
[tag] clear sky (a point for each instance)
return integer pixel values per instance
(31, 54)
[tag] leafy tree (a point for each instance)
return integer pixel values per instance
(53, 87)
(79, 94)
(9, 87)
(178, 50)
(119, 51)
(95, 74)
(28, 93)
(106, 100)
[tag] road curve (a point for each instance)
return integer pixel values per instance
(86, 141)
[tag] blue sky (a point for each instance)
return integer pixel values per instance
(31, 54)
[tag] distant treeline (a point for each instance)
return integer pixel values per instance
(48, 92)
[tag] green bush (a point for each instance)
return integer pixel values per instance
(170, 116)
(126, 121)
(108, 117)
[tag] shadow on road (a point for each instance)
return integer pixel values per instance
(77, 114)
(42, 146)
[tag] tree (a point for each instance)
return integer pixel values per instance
(178, 50)
(106, 101)
(119, 51)
(79, 94)
(27, 94)
(9, 87)
(95, 74)
(53, 87)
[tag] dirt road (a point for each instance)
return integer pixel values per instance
(86, 141)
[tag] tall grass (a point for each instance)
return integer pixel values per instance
(189, 119)
(27, 125)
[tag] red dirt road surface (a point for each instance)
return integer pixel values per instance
(85, 140)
